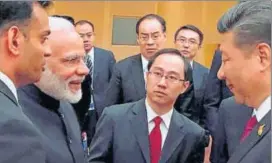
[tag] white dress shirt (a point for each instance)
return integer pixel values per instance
(164, 126)
(191, 63)
(4, 78)
(91, 54)
(264, 108)
(144, 65)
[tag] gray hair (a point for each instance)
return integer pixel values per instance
(58, 23)
(250, 21)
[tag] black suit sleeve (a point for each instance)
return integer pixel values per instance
(114, 91)
(219, 153)
(101, 145)
(112, 61)
(212, 96)
(20, 142)
(196, 156)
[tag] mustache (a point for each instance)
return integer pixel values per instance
(76, 78)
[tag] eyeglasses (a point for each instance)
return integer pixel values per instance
(154, 37)
(189, 41)
(170, 78)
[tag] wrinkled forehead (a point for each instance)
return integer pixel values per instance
(65, 42)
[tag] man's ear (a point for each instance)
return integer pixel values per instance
(264, 55)
(186, 85)
(14, 40)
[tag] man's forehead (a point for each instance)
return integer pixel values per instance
(169, 62)
(65, 40)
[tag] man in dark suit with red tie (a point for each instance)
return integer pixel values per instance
(246, 67)
(150, 130)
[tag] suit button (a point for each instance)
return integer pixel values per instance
(70, 140)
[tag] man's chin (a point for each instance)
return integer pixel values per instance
(75, 97)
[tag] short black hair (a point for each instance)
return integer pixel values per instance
(18, 12)
(81, 22)
(69, 18)
(151, 16)
(175, 52)
(250, 22)
(192, 28)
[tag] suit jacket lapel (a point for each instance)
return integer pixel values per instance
(137, 75)
(96, 64)
(196, 75)
(252, 139)
(6, 91)
(174, 137)
(139, 125)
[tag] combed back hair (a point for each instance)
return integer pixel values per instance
(59, 23)
(17, 12)
(149, 17)
(250, 21)
(175, 52)
(69, 18)
(81, 22)
(192, 28)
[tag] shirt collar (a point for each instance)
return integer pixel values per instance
(166, 118)
(144, 63)
(9, 84)
(91, 53)
(264, 108)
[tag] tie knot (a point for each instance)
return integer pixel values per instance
(252, 121)
(157, 120)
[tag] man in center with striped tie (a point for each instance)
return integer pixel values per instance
(150, 130)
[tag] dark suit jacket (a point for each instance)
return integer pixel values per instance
(57, 122)
(82, 107)
(216, 91)
(232, 119)
(20, 140)
(127, 82)
(122, 136)
(255, 148)
(103, 65)
(200, 76)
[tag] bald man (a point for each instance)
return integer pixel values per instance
(47, 102)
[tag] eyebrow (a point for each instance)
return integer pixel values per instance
(157, 32)
(169, 72)
(72, 56)
(46, 33)
(188, 38)
(86, 33)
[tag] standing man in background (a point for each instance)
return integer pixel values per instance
(188, 40)
(24, 31)
(100, 62)
(127, 83)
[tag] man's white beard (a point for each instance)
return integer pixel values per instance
(58, 88)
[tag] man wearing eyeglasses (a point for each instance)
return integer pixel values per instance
(150, 130)
(188, 40)
(128, 83)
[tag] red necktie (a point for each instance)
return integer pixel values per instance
(249, 126)
(155, 141)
